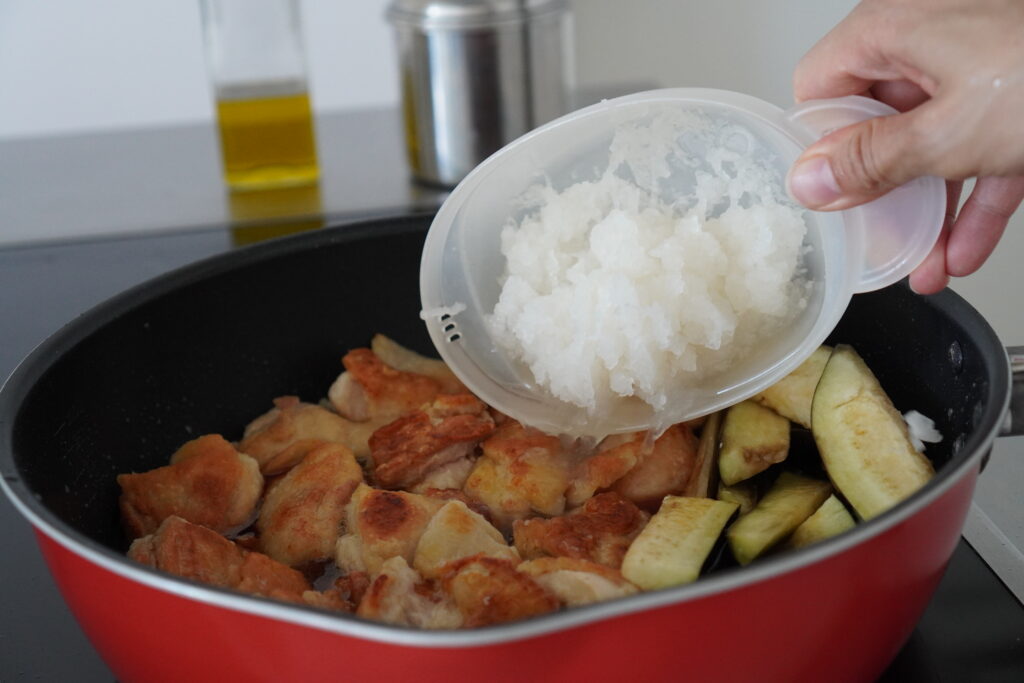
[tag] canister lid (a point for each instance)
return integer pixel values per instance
(468, 13)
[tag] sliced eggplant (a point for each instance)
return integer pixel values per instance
(830, 519)
(743, 494)
(673, 546)
(753, 439)
(790, 501)
(792, 395)
(863, 440)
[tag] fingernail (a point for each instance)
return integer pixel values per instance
(812, 183)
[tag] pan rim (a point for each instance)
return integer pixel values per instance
(975, 446)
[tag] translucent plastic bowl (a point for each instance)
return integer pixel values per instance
(858, 250)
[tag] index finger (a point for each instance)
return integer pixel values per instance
(848, 60)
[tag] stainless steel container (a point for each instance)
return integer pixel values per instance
(475, 75)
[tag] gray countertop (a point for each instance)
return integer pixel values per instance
(130, 182)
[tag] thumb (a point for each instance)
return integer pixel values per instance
(858, 163)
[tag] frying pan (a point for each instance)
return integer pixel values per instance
(205, 348)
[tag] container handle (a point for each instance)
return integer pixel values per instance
(896, 231)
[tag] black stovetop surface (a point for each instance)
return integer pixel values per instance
(973, 630)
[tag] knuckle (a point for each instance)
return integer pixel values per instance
(883, 153)
(863, 167)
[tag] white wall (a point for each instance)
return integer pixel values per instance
(83, 65)
(745, 45)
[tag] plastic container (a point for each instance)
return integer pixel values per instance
(255, 56)
(857, 250)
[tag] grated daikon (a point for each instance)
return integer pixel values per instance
(921, 429)
(628, 285)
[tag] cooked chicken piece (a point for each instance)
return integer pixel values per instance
(407, 360)
(195, 552)
(400, 596)
(662, 470)
(521, 472)
(405, 451)
(381, 525)
(262, 575)
(451, 476)
(488, 590)
(276, 438)
(352, 586)
(456, 532)
(247, 541)
(357, 441)
(458, 494)
(302, 513)
(208, 482)
(499, 417)
(615, 456)
(642, 472)
(577, 582)
(275, 468)
(600, 531)
(370, 389)
(330, 599)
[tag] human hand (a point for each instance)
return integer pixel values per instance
(955, 68)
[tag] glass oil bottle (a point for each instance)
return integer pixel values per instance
(254, 52)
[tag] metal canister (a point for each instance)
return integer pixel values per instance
(475, 75)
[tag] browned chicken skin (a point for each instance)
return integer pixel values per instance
(615, 456)
(208, 482)
(381, 525)
(521, 472)
(405, 451)
(600, 531)
(194, 552)
(406, 360)
(489, 590)
(642, 472)
(370, 389)
(301, 515)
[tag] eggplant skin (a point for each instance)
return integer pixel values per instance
(863, 440)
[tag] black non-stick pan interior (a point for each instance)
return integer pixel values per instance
(207, 348)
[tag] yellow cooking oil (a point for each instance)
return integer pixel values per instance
(267, 138)
(267, 213)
